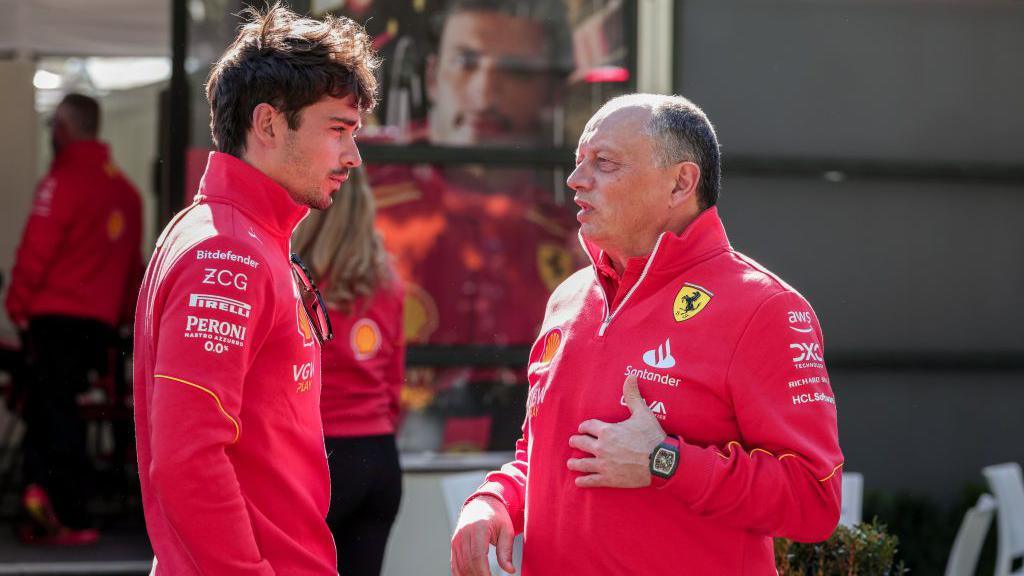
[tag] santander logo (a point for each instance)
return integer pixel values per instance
(660, 357)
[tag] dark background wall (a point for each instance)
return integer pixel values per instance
(874, 155)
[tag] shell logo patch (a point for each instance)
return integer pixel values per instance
(302, 322)
(690, 301)
(115, 225)
(552, 342)
(365, 339)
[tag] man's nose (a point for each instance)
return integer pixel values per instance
(578, 180)
(350, 157)
(486, 83)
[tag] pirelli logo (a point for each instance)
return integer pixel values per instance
(211, 302)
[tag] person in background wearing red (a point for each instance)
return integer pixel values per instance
(229, 325)
(74, 282)
(363, 370)
(680, 415)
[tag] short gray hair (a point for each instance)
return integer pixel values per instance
(681, 132)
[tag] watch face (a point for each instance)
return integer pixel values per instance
(664, 461)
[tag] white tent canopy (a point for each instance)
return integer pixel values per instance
(86, 27)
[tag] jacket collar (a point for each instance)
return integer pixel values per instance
(673, 253)
(232, 181)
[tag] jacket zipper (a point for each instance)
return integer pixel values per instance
(608, 315)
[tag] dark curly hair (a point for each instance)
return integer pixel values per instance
(289, 62)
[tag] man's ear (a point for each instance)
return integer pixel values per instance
(687, 182)
(266, 125)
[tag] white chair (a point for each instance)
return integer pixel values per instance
(1006, 484)
(853, 497)
(456, 488)
(963, 558)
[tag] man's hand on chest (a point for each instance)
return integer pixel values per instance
(619, 452)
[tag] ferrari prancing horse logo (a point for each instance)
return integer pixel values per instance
(690, 300)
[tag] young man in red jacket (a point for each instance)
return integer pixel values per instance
(228, 327)
(680, 415)
(73, 284)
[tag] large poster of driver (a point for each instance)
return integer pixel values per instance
(481, 247)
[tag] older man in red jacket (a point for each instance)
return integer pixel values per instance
(680, 415)
(74, 282)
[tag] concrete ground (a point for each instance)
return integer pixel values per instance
(122, 549)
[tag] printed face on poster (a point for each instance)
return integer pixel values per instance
(495, 73)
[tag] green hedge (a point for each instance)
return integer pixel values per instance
(910, 533)
(864, 550)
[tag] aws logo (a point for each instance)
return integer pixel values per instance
(365, 339)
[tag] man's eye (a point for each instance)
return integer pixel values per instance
(466, 60)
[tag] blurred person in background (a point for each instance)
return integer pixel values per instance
(74, 282)
(227, 341)
(680, 414)
(363, 369)
(481, 248)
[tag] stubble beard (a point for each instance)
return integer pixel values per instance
(311, 196)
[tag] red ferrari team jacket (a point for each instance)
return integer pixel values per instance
(363, 367)
(79, 255)
(227, 389)
(478, 267)
(729, 358)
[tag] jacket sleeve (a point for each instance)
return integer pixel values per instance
(52, 212)
(782, 477)
(215, 316)
(509, 483)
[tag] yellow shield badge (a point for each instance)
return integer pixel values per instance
(419, 314)
(690, 300)
(554, 264)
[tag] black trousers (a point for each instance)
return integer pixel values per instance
(366, 488)
(61, 351)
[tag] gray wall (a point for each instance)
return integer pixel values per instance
(924, 80)
(891, 266)
(896, 268)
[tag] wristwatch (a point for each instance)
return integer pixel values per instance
(664, 460)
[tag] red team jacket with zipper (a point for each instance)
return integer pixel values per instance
(730, 359)
(364, 365)
(227, 388)
(79, 255)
